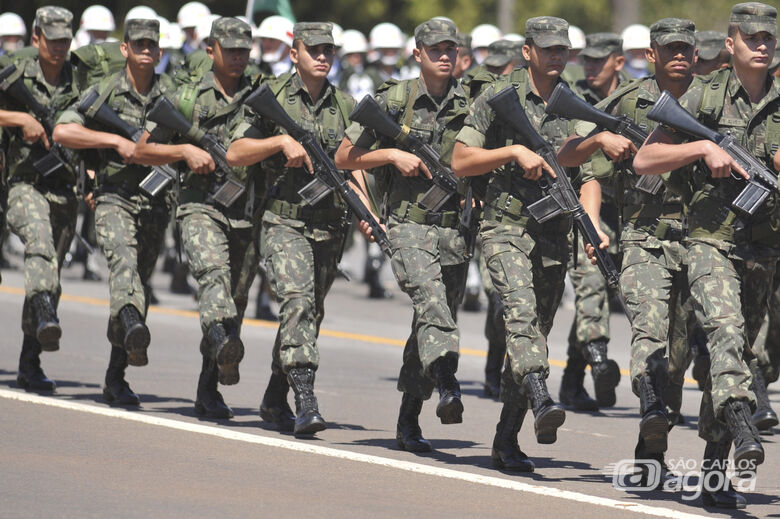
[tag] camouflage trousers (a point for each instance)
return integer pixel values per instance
(719, 283)
(766, 347)
(495, 328)
(528, 271)
(301, 271)
(46, 223)
(130, 232)
(223, 259)
(423, 265)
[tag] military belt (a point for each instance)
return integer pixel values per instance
(194, 195)
(645, 211)
(763, 232)
(506, 207)
(408, 212)
(123, 189)
(661, 229)
(330, 216)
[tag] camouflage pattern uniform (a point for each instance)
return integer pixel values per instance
(130, 226)
(429, 249)
(41, 211)
(526, 261)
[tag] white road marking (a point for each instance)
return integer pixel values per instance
(418, 468)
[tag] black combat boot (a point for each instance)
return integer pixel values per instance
(136, 336)
(31, 377)
(117, 390)
(408, 433)
(209, 401)
(606, 373)
(274, 407)
(572, 392)
(450, 408)
(506, 453)
(179, 283)
(495, 360)
(548, 415)
(701, 356)
(748, 452)
(224, 340)
(643, 459)
(654, 425)
(308, 419)
(47, 326)
(716, 487)
(764, 418)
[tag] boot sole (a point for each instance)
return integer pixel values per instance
(765, 420)
(31, 386)
(655, 431)
(49, 336)
(228, 358)
(526, 467)
(416, 446)
(109, 397)
(546, 424)
(605, 381)
(750, 458)
(450, 411)
(137, 341)
(282, 424)
(313, 425)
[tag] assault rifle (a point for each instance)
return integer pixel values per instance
(328, 178)
(762, 181)
(160, 176)
(560, 196)
(445, 184)
(58, 156)
(564, 102)
(228, 188)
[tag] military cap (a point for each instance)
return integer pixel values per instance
(436, 31)
(313, 33)
(464, 40)
(231, 33)
(601, 44)
(140, 29)
(54, 22)
(548, 31)
(710, 43)
(776, 59)
(753, 17)
(670, 30)
(500, 53)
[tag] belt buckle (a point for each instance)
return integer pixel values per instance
(433, 218)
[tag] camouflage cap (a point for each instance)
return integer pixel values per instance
(464, 40)
(548, 31)
(55, 22)
(710, 43)
(436, 31)
(754, 17)
(670, 30)
(601, 44)
(500, 53)
(313, 33)
(776, 59)
(142, 29)
(231, 33)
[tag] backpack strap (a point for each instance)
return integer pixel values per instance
(714, 95)
(105, 89)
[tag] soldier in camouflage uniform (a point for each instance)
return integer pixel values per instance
(589, 334)
(41, 210)
(130, 225)
(301, 244)
(728, 254)
(712, 53)
(526, 260)
(219, 242)
(429, 250)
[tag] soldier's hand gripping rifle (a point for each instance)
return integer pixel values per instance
(264, 103)
(160, 176)
(668, 111)
(445, 184)
(58, 156)
(560, 196)
(564, 102)
(228, 188)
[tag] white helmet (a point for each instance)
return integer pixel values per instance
(513, 36)
(165, 33)
(191, 14)
(577, 37)
(353, 41)
(140, 12)
(11, 24)
(204, 26)
(386, 36)
(175, 36)
(483, 35)
(277, 28)
(97, 18)
(338, 35)
(636, 36)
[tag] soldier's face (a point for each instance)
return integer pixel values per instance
(599, 72)
(674, 60)
(144, 53)
(546, 61)
(228, 62)
(437, 61)
(754, 51)
(52, 52)
(313, 61)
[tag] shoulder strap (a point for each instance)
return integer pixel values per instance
(105, 89)
(344, 102)
(187, 98)
(714, 95)
(278, 85)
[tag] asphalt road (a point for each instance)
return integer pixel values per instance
(71, 455)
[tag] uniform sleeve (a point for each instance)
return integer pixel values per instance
(478, 121)
(72, 114)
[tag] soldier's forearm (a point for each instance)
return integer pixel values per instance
(245, 152)
(349, 156)
(577, 150)
(590, 197)
(155, 154)
(10, 118)
(470, 161)
(77, 137)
